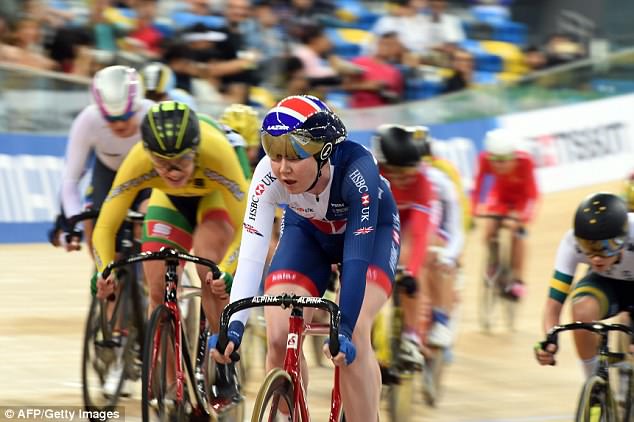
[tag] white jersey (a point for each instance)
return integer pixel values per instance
(450, 227)
(90, 133)
(569, 256)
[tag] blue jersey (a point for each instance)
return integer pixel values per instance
(354, 222)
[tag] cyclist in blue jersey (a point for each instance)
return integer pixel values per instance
(340, 211)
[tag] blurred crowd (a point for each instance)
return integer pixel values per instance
(359, 54)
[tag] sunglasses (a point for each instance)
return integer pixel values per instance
(120, 118)
(604, 248)
(177, 163)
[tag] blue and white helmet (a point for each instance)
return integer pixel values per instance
(299, 127)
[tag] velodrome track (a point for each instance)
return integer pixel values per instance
(493, 378)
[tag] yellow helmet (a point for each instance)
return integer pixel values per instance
(628, 193)
(244, 120)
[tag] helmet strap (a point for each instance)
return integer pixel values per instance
(320, 164)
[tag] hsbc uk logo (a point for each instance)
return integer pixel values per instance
(365, 199)
(259, 189)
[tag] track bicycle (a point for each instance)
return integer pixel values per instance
(202, 389)
(396, 375)
(114, 331)
(285, 384)
(597, 401)
(497, 274)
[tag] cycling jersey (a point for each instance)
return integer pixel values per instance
(354, 221)
(450, 227)
(569, 256)
(452, 172)
(418, 210)
(516, 191)
(235, 139)
(90, 133)
(217, 169)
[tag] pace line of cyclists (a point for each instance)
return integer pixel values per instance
(202, 185)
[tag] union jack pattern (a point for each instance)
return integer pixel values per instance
(290, 113)
(363, 230)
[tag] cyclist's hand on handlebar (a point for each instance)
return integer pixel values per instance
(219, 285)
(545, 353)
(347, 351)
(105, 286)
(222, 358)
(73, 240)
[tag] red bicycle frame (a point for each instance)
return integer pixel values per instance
(297, 330)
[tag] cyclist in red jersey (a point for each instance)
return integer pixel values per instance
(399, 155)
(514, 193)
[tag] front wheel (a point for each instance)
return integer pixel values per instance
(276, 386)
(158, 396)
(401, 397)
(596, 402)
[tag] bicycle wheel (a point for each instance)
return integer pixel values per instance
(158, 398)
(277, 385)
(110, 351)
(596, 403)
(401, 397)
(489, 293)
(506, 276)
(432, 376)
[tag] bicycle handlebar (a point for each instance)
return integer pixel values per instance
(163, 255)
(285, 301)
(132, 216)
(596, 327)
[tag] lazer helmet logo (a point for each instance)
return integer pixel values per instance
(277, 127)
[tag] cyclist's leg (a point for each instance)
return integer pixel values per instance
(299, 266)
(440, 285)
(212, 237)
(361, 381)
(593, 299)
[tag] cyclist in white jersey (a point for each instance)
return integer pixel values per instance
(602, 238)
(108, 128)
(444, 256)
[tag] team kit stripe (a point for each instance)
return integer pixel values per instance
(560, 286)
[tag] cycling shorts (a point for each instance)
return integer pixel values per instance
(171, 220)
(304, 256)
(613, 295)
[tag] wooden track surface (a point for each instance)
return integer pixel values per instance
(493, 377)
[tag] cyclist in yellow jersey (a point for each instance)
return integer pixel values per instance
(198, 200)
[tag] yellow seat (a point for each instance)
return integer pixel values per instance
(354, 36)
(511, 54)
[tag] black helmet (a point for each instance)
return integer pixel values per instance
(601, 224)
(398, 145)
(170, 129)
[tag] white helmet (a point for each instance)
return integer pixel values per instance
(158, 78)
(501, 142)
(117, 92)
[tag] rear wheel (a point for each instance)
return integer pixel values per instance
(596, 403)
(277, 388)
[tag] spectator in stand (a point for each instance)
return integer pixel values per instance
(268, 39)
(411, 26)
(463, 68)
(381, 82)
(24, 46)
(534, 58)
(293, 80)
(563, 48)
(145, 39)
(445, 29)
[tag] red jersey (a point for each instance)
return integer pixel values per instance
(515, 191)
(415, 203)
